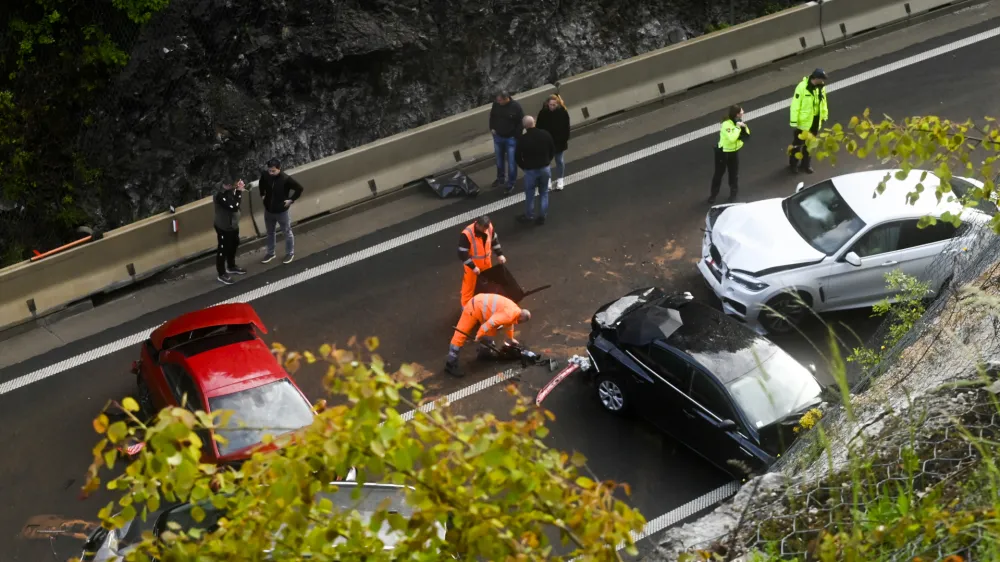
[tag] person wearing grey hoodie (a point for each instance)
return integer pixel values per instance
(227, 229)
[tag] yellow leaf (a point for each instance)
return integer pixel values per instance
(278, 347)
(371, 343)
(310, 358)
(584, 482)
(101, 423)
(325, 350)
(130, 405)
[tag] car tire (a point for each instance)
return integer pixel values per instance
(783, 313)
(612, 395)
(143, 398)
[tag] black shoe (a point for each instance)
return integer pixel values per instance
(711, 200)
(508, 190)
(794, 169)
(732, 196)
(225, 279)
(807, 169)
(453, 370)
(497, 183)
(540, 221)
(237, 270)
(525, 219)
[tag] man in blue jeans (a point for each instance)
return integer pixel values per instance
(535, 151)
(505, 124)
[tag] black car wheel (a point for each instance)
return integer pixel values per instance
(611, 395)
(144, 399)
(782, 314)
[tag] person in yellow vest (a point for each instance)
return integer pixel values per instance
(808, 112)
(732, 133)
(476, 246)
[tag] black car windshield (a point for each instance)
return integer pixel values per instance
(821, 216)
(781, 386)
(273, 408)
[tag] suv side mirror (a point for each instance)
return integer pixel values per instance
(853, 259)
(799, 187)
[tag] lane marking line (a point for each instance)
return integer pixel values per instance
(344, 261)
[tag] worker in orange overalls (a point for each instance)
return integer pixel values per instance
(492, 312)
(476, 246)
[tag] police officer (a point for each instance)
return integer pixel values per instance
(808, 112)
(732, 133)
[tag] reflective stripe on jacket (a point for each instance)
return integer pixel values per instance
(731, 136)
(480, 251)
(806, 104)
(493, 311)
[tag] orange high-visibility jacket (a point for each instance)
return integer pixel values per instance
(493, 311)
(480, 253)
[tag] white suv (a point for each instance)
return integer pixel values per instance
(832, 243)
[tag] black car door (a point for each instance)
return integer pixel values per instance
(705, 417)
(663, 400)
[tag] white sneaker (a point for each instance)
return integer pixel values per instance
(550, 184)
(559, 184)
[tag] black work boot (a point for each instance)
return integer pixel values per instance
(451, 367)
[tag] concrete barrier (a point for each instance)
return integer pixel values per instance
(123, 256)
(843, 19)
(386, 165)
(646, 78)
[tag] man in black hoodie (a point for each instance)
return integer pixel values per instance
(535, 151)
(227, 230)
(278, 190)
(505, 124)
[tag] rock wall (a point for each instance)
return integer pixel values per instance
(216, 87)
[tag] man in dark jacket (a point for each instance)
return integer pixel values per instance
(505, 124)
(278, 190)
(535, 150)
(227, 230)
(555, 119)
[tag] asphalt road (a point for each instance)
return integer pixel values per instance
(633, 226)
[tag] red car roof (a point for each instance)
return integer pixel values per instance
(234, 367)
(221, 315)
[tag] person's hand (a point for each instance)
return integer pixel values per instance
(287, 202)
(475, 270)
(493, 132)
(503, 259)
(240, 185)
(741, 124)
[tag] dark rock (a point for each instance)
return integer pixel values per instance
(216, 87)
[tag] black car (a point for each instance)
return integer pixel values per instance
(709, 381)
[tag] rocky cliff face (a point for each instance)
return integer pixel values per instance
(216, 87)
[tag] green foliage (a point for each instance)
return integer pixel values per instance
(66, 53)
(502, 494)
(922, 144)
(903, 314)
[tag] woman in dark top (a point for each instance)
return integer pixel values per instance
(554, 118)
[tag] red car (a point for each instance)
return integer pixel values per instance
(216, 358)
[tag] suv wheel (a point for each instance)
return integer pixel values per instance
(783, 313)
(612, 395)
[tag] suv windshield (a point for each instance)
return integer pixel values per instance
(781, 386)
(821, 216)
(273, 408)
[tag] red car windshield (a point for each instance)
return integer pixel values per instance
(274, 408)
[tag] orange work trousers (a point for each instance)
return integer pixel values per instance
(469, 281)
(468, 323)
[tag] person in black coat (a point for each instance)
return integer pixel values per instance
(505, 126)
(554, 118)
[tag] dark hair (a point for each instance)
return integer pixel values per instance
(734, 111)
(274, 163)
(483, 221)
(503, 94)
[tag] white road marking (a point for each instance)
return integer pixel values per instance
(461, 219)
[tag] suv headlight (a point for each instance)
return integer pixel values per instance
(747, 282)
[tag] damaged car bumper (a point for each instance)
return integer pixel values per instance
(741, 298)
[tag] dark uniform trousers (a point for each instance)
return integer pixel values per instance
(799, 146)
(726, 161)
(225, 254)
